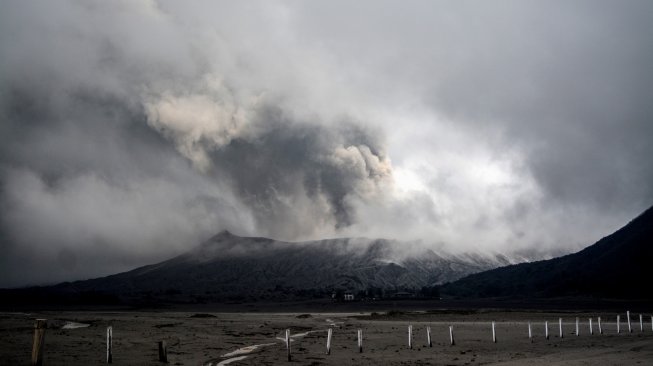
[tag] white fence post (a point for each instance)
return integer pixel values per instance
(410, 337)
(577, 327)
(560, 323)
(451, 335)
(329, 334)
(600, 329)
(591, 330)
(494, 334)
(360, 341)
(630, 328)
(288, 344)
(641, 323)
(546, 329)
(428, 336)
(530, 332)
(618, 324)
(109, 344)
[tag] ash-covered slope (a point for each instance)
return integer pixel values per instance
(229, 267)
(616, 266)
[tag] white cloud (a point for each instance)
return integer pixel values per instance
(470, 127)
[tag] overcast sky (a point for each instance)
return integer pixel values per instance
(130, 131)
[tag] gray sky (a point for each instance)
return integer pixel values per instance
(132, 130)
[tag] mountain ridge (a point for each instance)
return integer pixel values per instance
(613, 267)
(227, 267)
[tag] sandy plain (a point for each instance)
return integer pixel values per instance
(257, 338)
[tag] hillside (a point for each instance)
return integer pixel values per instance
(617, 266)
(232, 268)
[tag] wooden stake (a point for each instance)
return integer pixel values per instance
(494, 334)
(600, 328)
(546, 329)
(360, 341)
(630, 328)
(577, 327)
(288, 344)
(109, 344)
(329, 333)
(410, 337)
(618, 324)
(163, 352)
(39, 339)
(428, 336)
(451, 335)
(591, 330)
(530, 332)
(560, 322)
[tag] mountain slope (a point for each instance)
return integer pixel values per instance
(615, 267)
(229, 267)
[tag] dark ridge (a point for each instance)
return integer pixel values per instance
(228, 268)
(617, 266)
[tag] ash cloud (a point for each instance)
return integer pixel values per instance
(121, 147)
(130, 131)
(288, 163)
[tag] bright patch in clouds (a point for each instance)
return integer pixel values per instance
(130, 131)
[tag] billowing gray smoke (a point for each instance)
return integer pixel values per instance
(297, 176)
(290, 162)
(118, 152)
(132, 130)
(85, 177)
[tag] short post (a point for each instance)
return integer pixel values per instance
(630, 328)
(577, 327)
(288, 344)
(651, 322)
(560, 322)
(600, 328)
(410, 337)
(591, 330)
(494, 334)
(451, 335)
(530, 332)
(618, 324)
(360, 341)
(428, 336)
(329, 334)
(109, 344)
(641, 323)
(546, 329)
(163, 351)
(39, 339)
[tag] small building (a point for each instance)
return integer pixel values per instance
(349, 297)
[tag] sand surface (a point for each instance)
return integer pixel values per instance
(258, 339)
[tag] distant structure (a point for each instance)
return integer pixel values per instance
(349, 297)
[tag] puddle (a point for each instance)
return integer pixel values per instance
(73, 325)
(246, 350)
(242, 352)
(333, 323)
(226, 362)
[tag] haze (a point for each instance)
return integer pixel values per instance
(130, 131)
